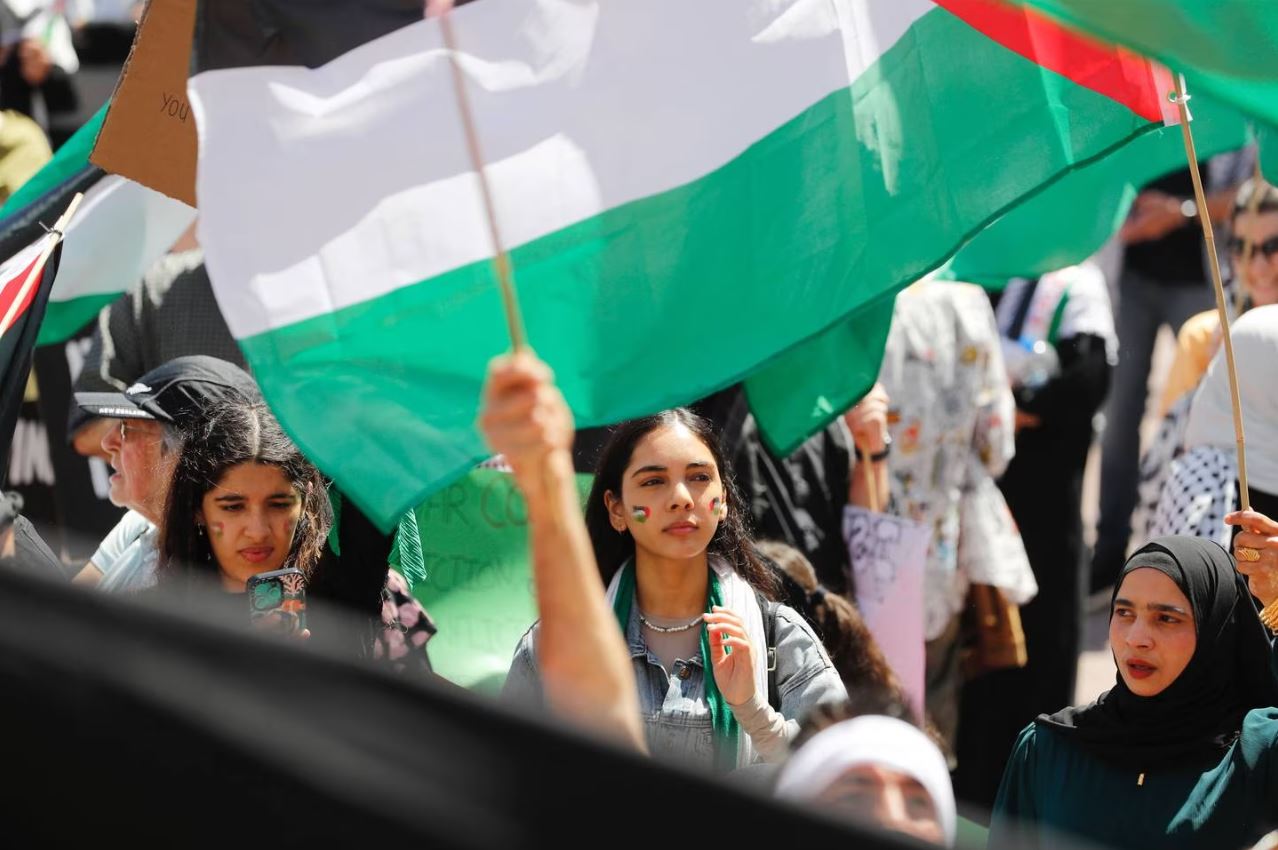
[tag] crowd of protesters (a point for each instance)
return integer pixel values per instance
(704, 608)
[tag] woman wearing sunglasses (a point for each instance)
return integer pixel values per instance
(1253, 253)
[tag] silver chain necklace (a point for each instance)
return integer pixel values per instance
(668, 630)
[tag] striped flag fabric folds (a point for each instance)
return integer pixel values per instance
(689, 192)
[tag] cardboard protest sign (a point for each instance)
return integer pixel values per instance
(888, 554)
(478, 586)
(149, 133)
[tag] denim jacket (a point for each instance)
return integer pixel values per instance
(675, 712)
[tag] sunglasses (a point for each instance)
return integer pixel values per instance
(1268, 248)
(126, 426)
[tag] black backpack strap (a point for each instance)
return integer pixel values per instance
(769, 610)
(1015, 329)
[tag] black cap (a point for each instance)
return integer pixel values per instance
(181, 391)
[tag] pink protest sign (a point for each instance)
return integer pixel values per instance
(887, 555)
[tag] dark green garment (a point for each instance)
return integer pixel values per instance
(1053, 790)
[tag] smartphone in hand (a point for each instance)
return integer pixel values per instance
(277, 600)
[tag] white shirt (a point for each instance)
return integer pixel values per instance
(951, 412)
(128, 555)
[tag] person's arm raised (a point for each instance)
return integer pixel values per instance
(868, 422)
(585, 668)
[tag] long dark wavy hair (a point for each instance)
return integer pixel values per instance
(731, 539)
(240, 431)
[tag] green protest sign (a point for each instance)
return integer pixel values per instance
(478, 584)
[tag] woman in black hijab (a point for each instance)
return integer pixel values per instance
(1180, 752)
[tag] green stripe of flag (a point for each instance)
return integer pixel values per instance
(806, 387)
(1072, 219)
(1067, 222)
(65, 319)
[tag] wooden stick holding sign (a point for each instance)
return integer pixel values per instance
(37, 271)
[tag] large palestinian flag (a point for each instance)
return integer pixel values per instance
(689, 189)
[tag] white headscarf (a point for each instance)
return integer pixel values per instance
(1211, 420)
(873, 739)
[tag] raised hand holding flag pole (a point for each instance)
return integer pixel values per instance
(586, 681)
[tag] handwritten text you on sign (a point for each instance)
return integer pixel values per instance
(175, 107)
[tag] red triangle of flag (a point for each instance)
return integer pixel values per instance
(1140, 84)
(14, 275)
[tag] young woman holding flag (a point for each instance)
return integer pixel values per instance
(690, 596)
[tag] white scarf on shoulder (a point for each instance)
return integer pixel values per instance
(739, 598)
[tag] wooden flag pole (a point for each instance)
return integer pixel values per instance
(501, 259)
(555, 480)
(60, 228)
(1204, 217)
(1269, 615)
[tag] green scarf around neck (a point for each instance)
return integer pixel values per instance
(722, 720)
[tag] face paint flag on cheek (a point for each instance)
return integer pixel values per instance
(640, 514)
(718, 507)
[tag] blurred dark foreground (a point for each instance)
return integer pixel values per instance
(148, 720)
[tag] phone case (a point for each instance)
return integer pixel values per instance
(280, 596)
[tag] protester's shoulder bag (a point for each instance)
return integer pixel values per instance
(991, 554)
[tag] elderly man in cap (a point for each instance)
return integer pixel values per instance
(151, 417)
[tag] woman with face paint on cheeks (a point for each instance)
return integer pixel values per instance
(1180, 753)
(243, 501)
(693, 602)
